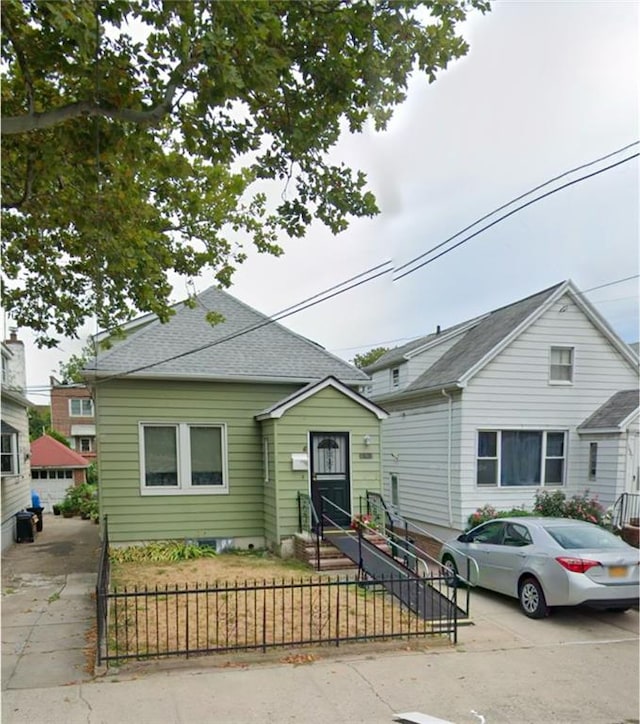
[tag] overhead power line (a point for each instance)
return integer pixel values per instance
(502, 218)
(385, 268)
(516, 199)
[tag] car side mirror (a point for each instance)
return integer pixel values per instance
(463, 538)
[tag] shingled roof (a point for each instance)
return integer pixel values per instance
(478, 337)
(614, 412)
(47, 452)
(247, 345)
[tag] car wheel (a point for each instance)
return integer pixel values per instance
(532, 600)
(450, 571)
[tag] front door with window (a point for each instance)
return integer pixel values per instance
(330, 476)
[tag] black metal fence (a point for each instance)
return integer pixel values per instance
(140, 623)
(102, 591)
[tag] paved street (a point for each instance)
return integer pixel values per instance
(576, 666)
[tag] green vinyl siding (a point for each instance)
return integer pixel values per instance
(123, 404)
(331, 411)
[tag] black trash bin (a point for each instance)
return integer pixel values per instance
(25, 527)
(38, 513)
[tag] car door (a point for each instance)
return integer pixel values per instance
(482, 544)
(507, 557)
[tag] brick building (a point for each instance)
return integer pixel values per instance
(73, 415)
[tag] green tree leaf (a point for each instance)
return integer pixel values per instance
(127, 157)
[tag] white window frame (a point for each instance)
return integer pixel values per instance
(91, 444)
(395, 377)
(82, 401)
(12, 454)
(183, 453)
(543, 458)
(571, 366)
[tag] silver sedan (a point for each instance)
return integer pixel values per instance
(545, 562)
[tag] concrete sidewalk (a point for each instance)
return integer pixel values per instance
(47, 608)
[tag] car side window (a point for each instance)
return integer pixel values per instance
(516, 535)
(489, 533)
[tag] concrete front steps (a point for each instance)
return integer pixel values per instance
(331, 559)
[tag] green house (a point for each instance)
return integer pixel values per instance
(213, 432)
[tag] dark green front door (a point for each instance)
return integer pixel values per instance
(330, 476)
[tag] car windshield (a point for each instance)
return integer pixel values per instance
(583, 537)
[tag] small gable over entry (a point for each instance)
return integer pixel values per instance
(322, 441)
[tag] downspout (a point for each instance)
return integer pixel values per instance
(448, 396)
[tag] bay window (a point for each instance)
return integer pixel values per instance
(182, 457)
(520, 457)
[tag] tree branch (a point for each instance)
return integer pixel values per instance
(14, 125)
(22, 61)
(28, 185)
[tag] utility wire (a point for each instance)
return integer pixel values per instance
(381, 269)
(502, 218)
(610, 284)
(370, 345)
(514, 200)
(301, 306)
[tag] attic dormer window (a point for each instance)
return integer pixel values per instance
(395, 377)
(561, 365)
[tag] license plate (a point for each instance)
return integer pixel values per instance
(617, 571)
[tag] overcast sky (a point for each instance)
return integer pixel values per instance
(546, 86)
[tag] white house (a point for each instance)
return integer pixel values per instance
(540, 394)
(16, 473)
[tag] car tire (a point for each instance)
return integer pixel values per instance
(532, 600)
(450, 571)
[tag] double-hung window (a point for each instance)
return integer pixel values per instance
(81, 407)
(561, 365)
(520, 457)
(9, 451)
(179, 458)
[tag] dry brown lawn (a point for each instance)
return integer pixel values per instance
(240, 601)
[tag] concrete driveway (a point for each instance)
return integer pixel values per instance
(47, 609)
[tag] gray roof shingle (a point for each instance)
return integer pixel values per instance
(614, 411)
(247, 344)
(484, 336)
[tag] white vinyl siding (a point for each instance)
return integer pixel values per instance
(415, 449)
(15, 488)
(513, 392)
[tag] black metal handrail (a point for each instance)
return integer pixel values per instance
(626, 507)
(375, 499)
(310, 522)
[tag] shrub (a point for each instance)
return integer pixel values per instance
(161, 552)
(80, 499)
(488, 512)
(583, 507)
(550, 504)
